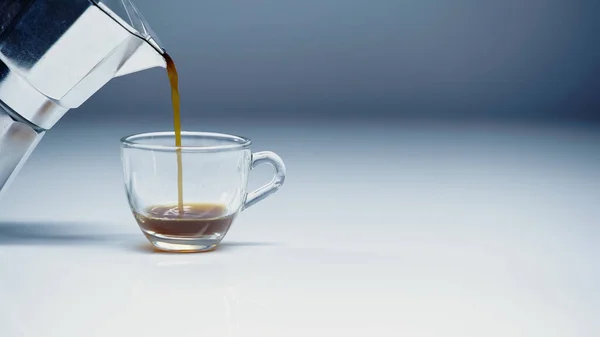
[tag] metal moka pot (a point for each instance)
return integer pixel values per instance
(54, 55)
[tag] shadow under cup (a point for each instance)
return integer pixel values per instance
(185, 199)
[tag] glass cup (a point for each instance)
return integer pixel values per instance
(213, 171)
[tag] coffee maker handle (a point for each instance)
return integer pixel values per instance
(266, 157)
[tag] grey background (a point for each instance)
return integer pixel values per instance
(515, 60)
(454, 99)
(453, 142)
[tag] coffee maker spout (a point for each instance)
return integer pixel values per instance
(146, 56)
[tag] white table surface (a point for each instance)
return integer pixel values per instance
(378, 231)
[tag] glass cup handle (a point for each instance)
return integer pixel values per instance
(266, 157)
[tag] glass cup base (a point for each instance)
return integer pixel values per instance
(187, 245)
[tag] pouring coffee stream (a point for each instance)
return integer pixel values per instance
(174, 81)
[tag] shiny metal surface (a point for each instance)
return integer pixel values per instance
(128, 16)
(66, 51)
(55, 54)
(20, 96)
(17, 141)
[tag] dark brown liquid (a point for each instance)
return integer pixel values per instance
(197, 220)
(174, 81)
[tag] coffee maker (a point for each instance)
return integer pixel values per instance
(54, 55)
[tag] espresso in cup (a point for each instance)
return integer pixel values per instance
(217, 168)
(197, 220)
(185, 189)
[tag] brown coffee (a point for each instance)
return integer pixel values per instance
(174, 81)
(197, 220)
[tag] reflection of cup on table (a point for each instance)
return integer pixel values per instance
(215, 169)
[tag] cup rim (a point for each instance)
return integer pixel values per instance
(237, 142)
